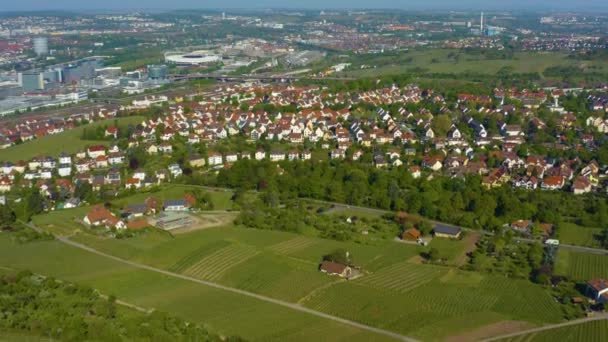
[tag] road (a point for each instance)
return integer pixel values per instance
(597, 317)
(580, 249)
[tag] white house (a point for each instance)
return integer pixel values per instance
(64, 170)
(231, 158)
(260, 155)
(214, 158)
(139, 174)
(65, 159)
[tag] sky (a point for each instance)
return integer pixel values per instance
(36, 5)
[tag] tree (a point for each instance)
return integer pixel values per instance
(340, 255)
(432, 255)
(7, 216)
(441, 125)
(535, 255)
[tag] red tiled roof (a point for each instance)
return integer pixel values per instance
(332, 267)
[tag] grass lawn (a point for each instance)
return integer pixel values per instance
(581, 266)
(595, 331)
(221, 199)
(61, 222)
(21, 337)
(572, 234)
(68, 142)
(222, 311)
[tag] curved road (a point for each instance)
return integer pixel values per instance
(241, 292)
(599, 317)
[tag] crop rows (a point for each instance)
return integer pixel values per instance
(521, 299)
(401, 277)
(595, 331)
(585, 267)
(213, 266)
(295, 244)
(193, 257)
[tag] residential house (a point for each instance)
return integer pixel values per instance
(260, 155)
(447, 231)
(432, 162)
(597, 289)
(176, 205)
(411, 234)
(175, 170)
(96, 151)
(581, 185)
(196, 160)
(553, 183)
(334, 268)
(100, 216)
(277, 156)
(231, 157)
(415, 170)
(338, 154)
(133, 183)
(5, 184)
(64, 170)
(214, 159)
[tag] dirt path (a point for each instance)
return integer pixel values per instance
(206, 220)
(494, 329)
(598, 317)
(470, 241)
(289, 305)
(318, 289)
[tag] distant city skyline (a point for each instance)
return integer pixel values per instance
(37, 5)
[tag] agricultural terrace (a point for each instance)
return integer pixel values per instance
(581, 266)
(396, 292)
(69, 141)
(223, 312)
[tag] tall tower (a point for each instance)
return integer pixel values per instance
(481, 25)
(41, 46)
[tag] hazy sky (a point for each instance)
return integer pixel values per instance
(582, 5)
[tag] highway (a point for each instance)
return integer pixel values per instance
(243, 78)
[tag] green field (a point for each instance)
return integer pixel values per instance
(221, 199)
(581, 266)
(429, 306)
(395, 293)
(68, 142)
(573, 234)
(222, 311)
(437, 61)
(594, 331)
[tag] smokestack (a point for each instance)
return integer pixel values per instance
(481, 26)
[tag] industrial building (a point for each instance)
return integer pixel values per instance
(157, 72)
(172, 220)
